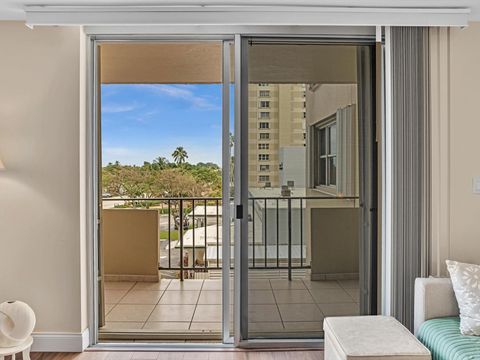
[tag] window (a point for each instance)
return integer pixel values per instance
(264, 168)
(264, 178)
(264, 115)
(263, 157)
(304, 114)
(263, 125)
(263, 146)
(263, 84)
(264, 93)
(265, 104)
(264, 136)
(325, 145)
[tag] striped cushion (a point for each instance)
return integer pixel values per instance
(442, 336)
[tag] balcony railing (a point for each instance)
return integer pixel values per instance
(276, 231)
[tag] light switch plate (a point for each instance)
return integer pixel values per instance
(476, 185)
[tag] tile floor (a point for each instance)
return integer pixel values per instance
(194, 306)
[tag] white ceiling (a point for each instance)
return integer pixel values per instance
(15, 9)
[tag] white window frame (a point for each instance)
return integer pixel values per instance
(323, 125)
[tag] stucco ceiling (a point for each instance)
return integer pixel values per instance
(14, 9)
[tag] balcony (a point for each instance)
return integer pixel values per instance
(180, 295)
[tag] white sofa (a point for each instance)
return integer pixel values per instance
(434, 298)
(437, 322)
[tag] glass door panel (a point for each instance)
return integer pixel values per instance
(302, 216)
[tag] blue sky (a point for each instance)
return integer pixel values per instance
(144, 121)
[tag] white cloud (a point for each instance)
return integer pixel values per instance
(185, 93)
(117, 108)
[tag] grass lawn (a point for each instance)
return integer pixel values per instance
(173, 234)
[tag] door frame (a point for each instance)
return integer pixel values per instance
(352, 34)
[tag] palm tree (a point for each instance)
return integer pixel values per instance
(179, 155)
(160, 163)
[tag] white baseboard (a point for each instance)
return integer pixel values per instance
(60, 342)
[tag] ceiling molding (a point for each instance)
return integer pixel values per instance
(251, 15)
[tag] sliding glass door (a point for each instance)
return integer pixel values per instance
(305, 109)
(268, 235)
(165, 179)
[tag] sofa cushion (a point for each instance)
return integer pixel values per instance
(466, 284)
(442, 336)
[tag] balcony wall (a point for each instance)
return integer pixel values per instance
(130, 244)
(334, 241)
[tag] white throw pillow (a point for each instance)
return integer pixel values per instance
(466, 284)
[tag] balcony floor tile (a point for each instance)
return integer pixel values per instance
(293, 297)
(208, 313)
(326, 296)
(180, 297)
(191, 284)
(149, 297)
(210, 297)
(114, 296)
(161, 285)
(300, 312)
(177, 313)
(123, 312)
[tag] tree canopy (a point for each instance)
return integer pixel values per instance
(161, 178)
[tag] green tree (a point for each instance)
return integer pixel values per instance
(179, 155)
(160, 163)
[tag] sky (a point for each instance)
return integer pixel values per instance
(144, 121)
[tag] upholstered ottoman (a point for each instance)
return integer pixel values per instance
(370, 338)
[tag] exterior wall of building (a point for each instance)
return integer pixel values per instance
(42, 254)
(292, 165)
(286, 128)
(322, 102)
(455, 129)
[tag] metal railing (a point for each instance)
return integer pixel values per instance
(287, 231)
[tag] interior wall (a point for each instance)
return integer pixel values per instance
(41, 258)
(455, 90)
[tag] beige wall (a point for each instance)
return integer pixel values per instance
(40, 237)
(130, 244)
(335, 239)
(324, 100)
(455, 92)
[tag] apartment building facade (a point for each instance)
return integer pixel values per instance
(277, 115)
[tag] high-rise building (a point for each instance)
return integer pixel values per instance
(276, 125)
